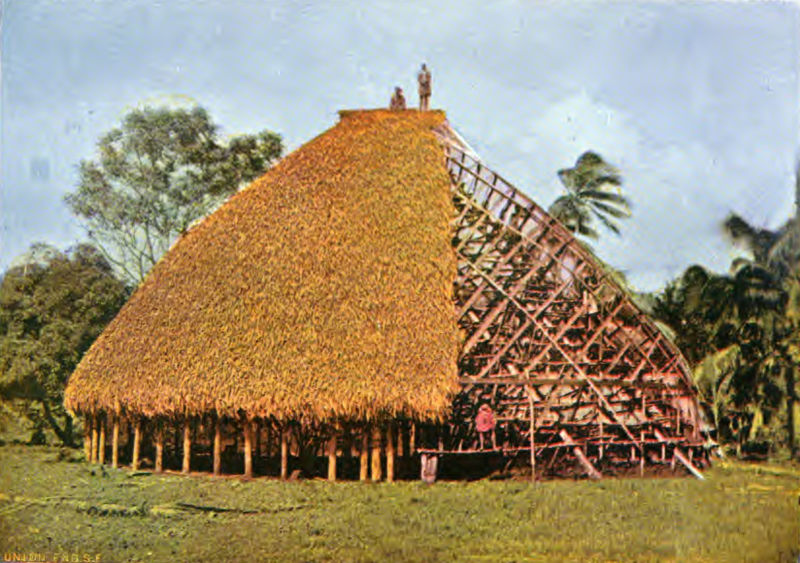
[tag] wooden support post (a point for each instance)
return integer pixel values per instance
(159, 465)
(101, 449)
(376, 453)
(87, 437)
(95, 423)
(682, 458)
(363, 455)
(590, 469)
(137, 443)
(602, 440)
(663, 452)
(284, 453)
(533, 436)
(187, 445)
(412, 439)
(401, 439)
(115, 442)
(641, 457)
(247, 429)
(332, 457)
(390, 453)
(217, 445)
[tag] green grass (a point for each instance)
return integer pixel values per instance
(740, 513)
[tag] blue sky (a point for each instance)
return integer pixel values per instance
(697, 103)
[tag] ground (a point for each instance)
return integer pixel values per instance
(53, 505)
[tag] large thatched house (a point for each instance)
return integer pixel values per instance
(375, 290)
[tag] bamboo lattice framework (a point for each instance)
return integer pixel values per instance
(557, 349)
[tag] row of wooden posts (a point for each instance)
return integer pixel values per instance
(375, 439)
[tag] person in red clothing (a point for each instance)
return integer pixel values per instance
(485, 423)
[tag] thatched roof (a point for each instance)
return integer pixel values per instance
(324, 289)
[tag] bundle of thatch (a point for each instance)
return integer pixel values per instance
(323, 290)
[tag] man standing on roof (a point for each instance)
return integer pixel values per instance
(424, 79)
(398, 99)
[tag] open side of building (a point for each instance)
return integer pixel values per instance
(313, 314)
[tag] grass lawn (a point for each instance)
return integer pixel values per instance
(54, 507)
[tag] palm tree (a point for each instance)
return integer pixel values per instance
(593, 192)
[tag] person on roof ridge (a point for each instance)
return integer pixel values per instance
(424, 80)
(398, 101)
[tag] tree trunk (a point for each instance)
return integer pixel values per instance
(284, 454)
(217, 445)
(137, 443)
(159, 447)
(376, 453)
(187, 445)
(115, 443)
(63, 435)
(247, 429)
(390, 453)
(101, 449)
(87, 437)
(332, 458)
(363, 455)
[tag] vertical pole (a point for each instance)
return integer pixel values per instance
(401, 438)
(115, 442)
(412, 439)
(284, 453)
(390, 452)
(332, 457)
(641, 457)
(95, 423)
(533, 436)
(137, 440)
(187, 444)
(248, 448)
(376, 453)
(87, 437)
(101, 449)
(363, 455)
(159, 446)
(602, 439)
(217, 445)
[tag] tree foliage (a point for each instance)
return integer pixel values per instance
(53, 305)
(155, 174)
(741, 332)
(593, 193)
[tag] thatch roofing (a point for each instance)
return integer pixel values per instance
(324, 289)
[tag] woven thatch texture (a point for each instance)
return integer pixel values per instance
(324, 289)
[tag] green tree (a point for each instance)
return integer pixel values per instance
(593, 192)
(158, 172)
(741, 331)
(53, 305)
